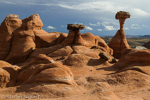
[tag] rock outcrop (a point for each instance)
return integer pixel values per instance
(74, 36)
(28, 37)
(119, 41)
(133, 57)
(74, 66)
(10, 24)
(44, 69)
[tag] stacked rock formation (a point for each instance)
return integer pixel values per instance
(74, 36)
(119, 41)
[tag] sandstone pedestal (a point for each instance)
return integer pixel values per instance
(119, 42)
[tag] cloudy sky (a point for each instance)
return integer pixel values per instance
(97, 15)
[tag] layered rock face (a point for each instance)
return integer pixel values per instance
(28, 37)
(119, 41)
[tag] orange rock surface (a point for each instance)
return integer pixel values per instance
(73, 66)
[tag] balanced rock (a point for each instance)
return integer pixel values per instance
(122, 15)
(75, 27)
(119, 42)
(74, 36)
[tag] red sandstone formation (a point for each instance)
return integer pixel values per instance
(74, 66)
(28, 37)
(10, 24)
(119, 41)
(74, 36)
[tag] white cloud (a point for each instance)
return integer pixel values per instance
(109, 28)
(126, 28)
(109, 23)
(50, 27)
(9, 2)
(99, 5)
(135, 26)
(92, 24)
(99, 29)
(145, 26)
(96, 24)
(88, 28)
(140, 13)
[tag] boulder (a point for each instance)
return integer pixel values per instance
(104, 56)
(10, 24)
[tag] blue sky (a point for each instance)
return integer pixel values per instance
(97, 15)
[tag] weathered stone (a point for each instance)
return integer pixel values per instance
(10, 24)
(119, 42)
(122, 15)
(74, 27)
(104, 56)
